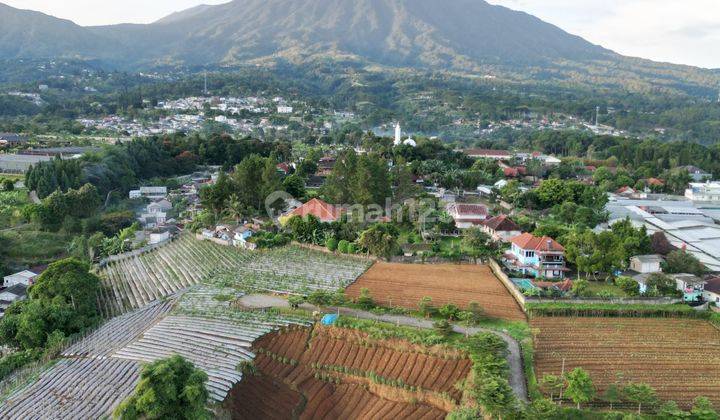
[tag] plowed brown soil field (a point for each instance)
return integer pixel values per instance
(680, 358)
(310, 375)
(406, 284)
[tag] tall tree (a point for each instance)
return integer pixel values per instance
(169, 388)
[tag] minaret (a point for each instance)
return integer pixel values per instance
(597, 116)
(398, 135)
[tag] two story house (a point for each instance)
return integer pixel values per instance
(541, 257)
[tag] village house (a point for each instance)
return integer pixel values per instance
(712, 290)
(691, 285)
(467, 215)
(12, 294)
(537, 256)
(488, 154)
(644, 264)
(325, 212)
(153, 193)
(325, 166)
(25, 277)
(501, 228)
(697, 174)
(158, 206)
(12, 139)
(703, 191)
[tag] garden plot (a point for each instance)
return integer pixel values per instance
(133, 282)
(405, 285)
(217, 345)
(680, 358)
(298, 270)
(119, 331)
(75, 389)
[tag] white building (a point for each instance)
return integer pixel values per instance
(24, 277)
(283, 109)
(703, 191)
(398, 135)
(153, 193)
(646, 263)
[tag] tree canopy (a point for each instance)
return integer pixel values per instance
(171, 388)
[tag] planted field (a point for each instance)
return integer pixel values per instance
(680, 358)
(75, 389)
(406, 284)
(345, 374)
(137, 280)
(298, 270)
(119, 331)
(217, 346)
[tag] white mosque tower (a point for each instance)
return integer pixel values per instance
(398, 135)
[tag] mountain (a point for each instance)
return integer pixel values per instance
(28, 34)
(466, 36)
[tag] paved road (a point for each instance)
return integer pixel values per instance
(517, 373)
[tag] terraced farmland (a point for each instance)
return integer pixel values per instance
(680, 358)
(217, 346)
(345, 374)
(406, 284)
(135, 281)
(300, 270)
(119, 331)
(75, 389)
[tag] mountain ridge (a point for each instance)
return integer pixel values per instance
(470, 36)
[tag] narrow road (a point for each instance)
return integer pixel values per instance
(517, 373)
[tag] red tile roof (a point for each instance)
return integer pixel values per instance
(502, 223)
(318, 208)
(465, 209)
(655, 182)
(511, 172)
(565, 286)
(529, 241)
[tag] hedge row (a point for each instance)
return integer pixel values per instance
(616, 310)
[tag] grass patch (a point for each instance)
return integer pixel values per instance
(26, 246)
(608, 289)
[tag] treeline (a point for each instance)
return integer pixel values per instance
(121, 167)
(651, 157)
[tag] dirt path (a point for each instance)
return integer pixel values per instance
(517, 373)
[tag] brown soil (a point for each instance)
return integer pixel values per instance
(405, 285)
(680, 358)
(294, 378)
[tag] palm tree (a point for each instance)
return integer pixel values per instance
(235, 208)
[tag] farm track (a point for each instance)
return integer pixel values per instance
(405, 285)
(515, 362)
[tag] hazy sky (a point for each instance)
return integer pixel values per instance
(679, 31)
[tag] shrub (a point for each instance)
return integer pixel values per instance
(425, 306)
(343, 246)
(365, 300)
(443, 328)
(450, 312)
(331, 244)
